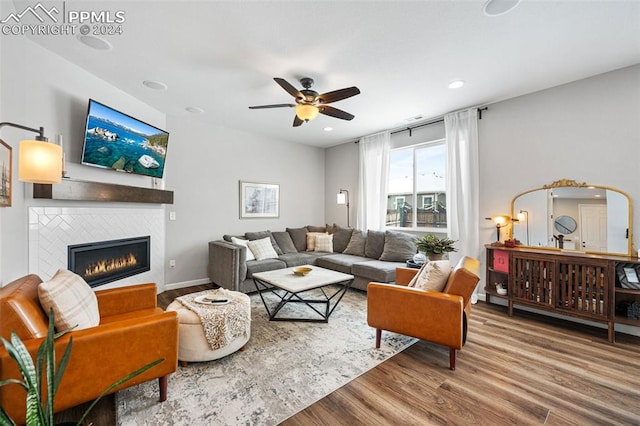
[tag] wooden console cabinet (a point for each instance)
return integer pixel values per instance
(567, 283)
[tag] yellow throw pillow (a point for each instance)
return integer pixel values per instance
(311, 240)
(74, 303)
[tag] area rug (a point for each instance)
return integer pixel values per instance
(285, 367)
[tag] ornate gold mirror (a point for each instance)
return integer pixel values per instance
(574, 215)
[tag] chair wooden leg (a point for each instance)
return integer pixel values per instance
(378, 336)
(162, 381)
(184, 363)
(452, 359)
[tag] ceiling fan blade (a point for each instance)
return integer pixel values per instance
(297, 121)
(288, 87)
(272, 106)
(338, 95)
(335, 112)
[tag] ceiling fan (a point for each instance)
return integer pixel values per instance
(309, 103)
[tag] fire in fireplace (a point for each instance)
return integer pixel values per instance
(106, 261)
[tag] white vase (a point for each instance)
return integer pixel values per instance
(438, 256)
(419, 258)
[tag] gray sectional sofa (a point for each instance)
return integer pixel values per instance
(373, 256)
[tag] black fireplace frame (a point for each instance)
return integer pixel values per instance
(79, 248)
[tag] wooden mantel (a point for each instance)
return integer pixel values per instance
(79, 190)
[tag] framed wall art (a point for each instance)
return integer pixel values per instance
(5, 174)
(259, 200)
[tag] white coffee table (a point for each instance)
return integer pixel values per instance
(289, 287)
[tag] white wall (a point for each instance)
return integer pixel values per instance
(587, 130)
(204, 166)
(41, 89)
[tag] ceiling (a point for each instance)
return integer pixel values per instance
(222, 56)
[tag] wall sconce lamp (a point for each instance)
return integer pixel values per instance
(343, 198)
(501, 222)
(38, 160)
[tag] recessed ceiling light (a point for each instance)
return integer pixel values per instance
(194, 110)
(499, 7)
(95, 42)
(155, 85)
(328, 129)
(456, 84)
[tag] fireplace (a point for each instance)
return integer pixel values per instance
(106, 261)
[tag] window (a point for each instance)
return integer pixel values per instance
(417, 192)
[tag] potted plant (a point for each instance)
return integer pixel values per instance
(39, 411)
(435, 247)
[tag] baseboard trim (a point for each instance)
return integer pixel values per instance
(183, 284)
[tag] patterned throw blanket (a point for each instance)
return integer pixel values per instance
(221, 323)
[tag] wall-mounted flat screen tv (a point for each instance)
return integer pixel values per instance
(114, 140)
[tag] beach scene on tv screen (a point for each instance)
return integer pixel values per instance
(117, 141)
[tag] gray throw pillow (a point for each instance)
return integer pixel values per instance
(398, 247)
(284, 242)
(341, 237)
(356, 243)
(374, 245)
(299, 237)
(312, 228)
(252, 236)
(227, 237)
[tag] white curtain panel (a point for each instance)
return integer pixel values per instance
(463, 208)
(372, 190)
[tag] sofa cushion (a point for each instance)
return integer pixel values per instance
(377, 270)
(263, 234)
(311, 240)
(341, 238)
(329, 228)
(374, 245)
(256, 266)
(298, 259)
(242, 242)
(74, 303)
(262, 249)
(339, 262)
(398, 246)
(432, 276)
(284, 241)
(313, 228)
(324, 243)
(299, 238)
(356, 243)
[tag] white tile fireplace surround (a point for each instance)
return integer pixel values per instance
(52, 229)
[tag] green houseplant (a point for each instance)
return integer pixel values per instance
(434, 247)
(39, 409)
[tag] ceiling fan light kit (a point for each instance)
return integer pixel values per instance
(309, 103)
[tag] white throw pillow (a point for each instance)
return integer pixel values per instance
(433, 276)
(324, 243)
(262, 249)
(74, 303)
(241, 242)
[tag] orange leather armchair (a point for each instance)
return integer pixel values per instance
(427, 315)
(133, 332)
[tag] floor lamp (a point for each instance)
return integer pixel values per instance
(343, 198)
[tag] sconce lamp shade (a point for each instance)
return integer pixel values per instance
(341, 198)
(39, 162)
(306, 112)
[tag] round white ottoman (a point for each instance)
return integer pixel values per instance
(192, 341)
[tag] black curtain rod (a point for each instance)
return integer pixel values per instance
(409, 129)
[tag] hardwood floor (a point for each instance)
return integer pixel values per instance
(526, 369)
